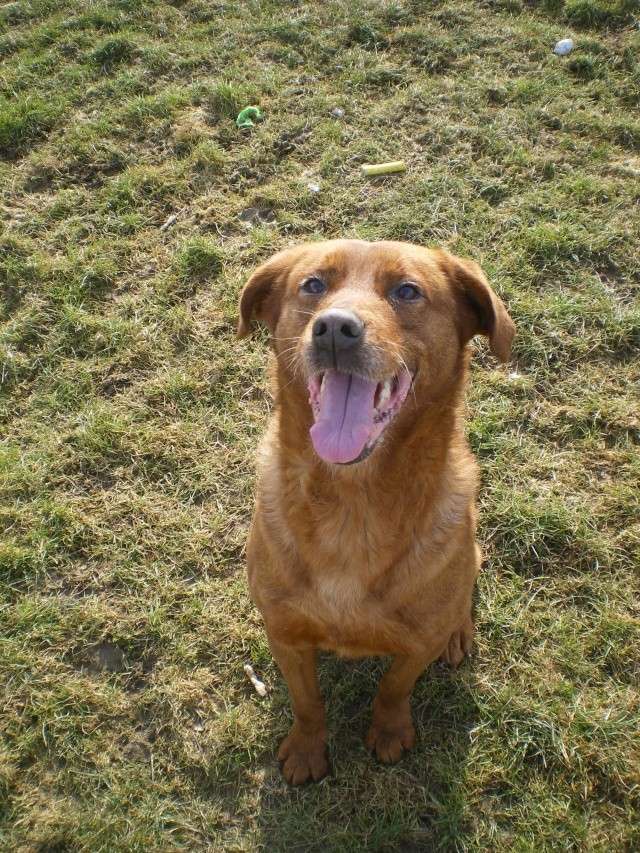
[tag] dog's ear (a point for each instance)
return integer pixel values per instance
(481, 311)
(262, 294)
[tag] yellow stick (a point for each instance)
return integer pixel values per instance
(384, 168)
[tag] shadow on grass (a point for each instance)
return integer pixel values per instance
(417, 804)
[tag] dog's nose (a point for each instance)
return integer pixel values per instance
(337, 329)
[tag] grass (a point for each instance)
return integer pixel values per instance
(130, 414)
(23, 122)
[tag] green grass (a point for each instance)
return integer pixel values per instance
(130, 415)
(23, 122)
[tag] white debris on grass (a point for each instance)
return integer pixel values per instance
(260, 686)
(169, 221)
(563, 47)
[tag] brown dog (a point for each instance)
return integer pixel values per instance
(363, 538)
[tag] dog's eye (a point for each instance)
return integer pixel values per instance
(314, 286)
(406, 293)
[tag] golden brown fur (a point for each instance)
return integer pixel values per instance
(379, 557)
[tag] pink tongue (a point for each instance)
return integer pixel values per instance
(345, 420)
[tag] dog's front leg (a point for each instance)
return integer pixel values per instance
(303, 751)
(392, 730)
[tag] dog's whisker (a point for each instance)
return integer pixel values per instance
(288, 350)
(411, 388)
(290, 382)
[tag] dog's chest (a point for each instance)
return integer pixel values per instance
(339, 596)
(349, 620)
(347, 538)
(343, 610)
(340, 586)
(340, 573)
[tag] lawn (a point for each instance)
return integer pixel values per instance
(132, 210)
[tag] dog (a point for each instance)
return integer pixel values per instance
(363, 536)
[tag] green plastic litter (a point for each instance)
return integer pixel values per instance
(247, 115)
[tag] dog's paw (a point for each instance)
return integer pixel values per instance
(389, 742)
(302, 758)
(459, 645)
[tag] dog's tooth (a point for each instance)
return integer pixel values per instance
(385, 392)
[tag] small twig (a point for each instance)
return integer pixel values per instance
(260, 686)
(169, 221)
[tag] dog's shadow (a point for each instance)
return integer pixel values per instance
(417, 804)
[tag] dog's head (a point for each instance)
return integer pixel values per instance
(363, 324)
